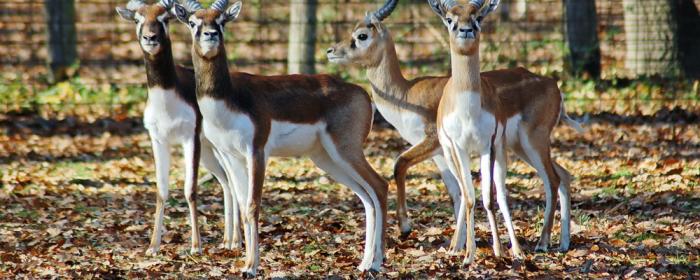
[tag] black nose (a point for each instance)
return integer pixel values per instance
(330, 50)
(149, 37)
(465, 30)
(211, 33)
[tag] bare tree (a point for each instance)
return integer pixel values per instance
(60, 23)
(302, 37)
(582, 37)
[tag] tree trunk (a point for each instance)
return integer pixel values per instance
(512, 9)
(688, 37)
(650, 35)
(302, 37)
(582, 37)
(61, 38)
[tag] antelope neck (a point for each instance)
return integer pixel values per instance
(465, 72)
(212, 75)
(386, 77)
(160, 68)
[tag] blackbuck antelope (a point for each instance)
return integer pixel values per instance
(249, 118)
(410, 106)
(172, 117)
(488, 112)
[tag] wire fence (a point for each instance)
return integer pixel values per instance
(521, 33)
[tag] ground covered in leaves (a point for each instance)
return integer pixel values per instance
(78, 198)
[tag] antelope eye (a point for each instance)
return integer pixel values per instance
(192, 24)
(449, 21)
(362, 37)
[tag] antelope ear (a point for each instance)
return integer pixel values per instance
(437, 7)
(233, 11)
(181, 13)
(125, 13)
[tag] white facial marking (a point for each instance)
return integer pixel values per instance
(197, 23)
(362, 44)
(139, 22)
(162, 19)
(221, 20)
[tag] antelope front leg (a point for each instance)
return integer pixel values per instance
(191, 150)
(161, 153)
(469, 203)
(453, 163)
(256, 177)
(453, 189)
(211, 163)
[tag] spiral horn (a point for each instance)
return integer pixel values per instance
(192, 5)
(386, 10)
(219, 5)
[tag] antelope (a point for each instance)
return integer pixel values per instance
(249, 118)
(487, 112)
(411, 107)
(172, 117)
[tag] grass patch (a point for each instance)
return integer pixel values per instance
(77, 170)
(315, 267)
(644, 236)
(25, 214)
(582, 219)
(308, 248)
(680, 259)
(622, 173)
(609, 191)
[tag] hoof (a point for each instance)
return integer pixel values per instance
(541, 248)
(453, 251)
(195, 251)
(247, 274)
(369, 274)
(405, 234)
(468, 259)
(563, 248)
(152, 251)
(517, 265)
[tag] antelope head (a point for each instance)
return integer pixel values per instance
(367, 40)
(207, 25)
(151, 23)
(463, 21)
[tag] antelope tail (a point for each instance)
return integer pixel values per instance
(569, 121)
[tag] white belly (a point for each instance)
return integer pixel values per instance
(410, 125)
(168, 117)
(232, 132)
(290, 139)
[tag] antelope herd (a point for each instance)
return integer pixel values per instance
(233, 122)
